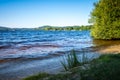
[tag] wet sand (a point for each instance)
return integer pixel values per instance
(110, 49)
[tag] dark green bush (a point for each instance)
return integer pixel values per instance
(106, 19)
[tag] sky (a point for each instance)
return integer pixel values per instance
(36, 13)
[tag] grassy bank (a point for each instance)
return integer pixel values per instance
(106, 67)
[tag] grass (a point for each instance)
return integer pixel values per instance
(106, 67)
(70, 61)
(39, 76)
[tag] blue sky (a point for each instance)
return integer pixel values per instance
(35, 13)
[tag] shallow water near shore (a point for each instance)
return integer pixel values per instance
(28, 52)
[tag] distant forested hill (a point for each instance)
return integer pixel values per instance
(53, 28)
(65, 28)
(4, 28)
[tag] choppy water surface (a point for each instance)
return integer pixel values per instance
(15, 44)
(34, 44)
(28, 52)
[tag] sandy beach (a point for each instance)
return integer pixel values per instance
(110, 49)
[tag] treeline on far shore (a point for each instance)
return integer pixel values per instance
(54, 28)
(47, 28)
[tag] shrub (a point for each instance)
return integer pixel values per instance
(106, 19)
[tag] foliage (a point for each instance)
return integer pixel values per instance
(106, 19)
(70, 61)
(46, 28)
(54, 28)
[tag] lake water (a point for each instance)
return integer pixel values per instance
(14, 44)
(28, 52)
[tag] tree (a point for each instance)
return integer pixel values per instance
(106, 19)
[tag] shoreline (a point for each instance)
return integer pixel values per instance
(20, 68)
(110, 49)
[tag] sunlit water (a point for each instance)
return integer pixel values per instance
(31, 43)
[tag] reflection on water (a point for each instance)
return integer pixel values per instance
(106, 42)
